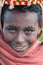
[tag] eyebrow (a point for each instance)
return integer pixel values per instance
(30, 27)
(11, 27)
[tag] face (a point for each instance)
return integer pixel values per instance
(20, 30)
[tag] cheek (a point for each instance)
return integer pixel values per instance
(32, 37)
(8, 36)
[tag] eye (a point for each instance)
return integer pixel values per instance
(28, 31)
(12, 30)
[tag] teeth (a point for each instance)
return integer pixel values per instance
(19, 47)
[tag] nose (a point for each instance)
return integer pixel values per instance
(20, 37)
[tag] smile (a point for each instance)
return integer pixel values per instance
(20, 48)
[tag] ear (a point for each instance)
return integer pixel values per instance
(39, 33)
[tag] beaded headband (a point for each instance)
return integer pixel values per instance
(21, 2)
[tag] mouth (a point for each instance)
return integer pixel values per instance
(20, 48)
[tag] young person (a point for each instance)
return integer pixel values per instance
(21, 28)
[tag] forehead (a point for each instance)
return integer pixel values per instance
(21, 19)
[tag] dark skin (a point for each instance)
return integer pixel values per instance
(20, 30)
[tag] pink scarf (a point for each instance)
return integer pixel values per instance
(8, 56)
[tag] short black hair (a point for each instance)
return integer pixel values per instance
(23, 8)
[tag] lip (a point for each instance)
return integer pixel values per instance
(20, 49)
